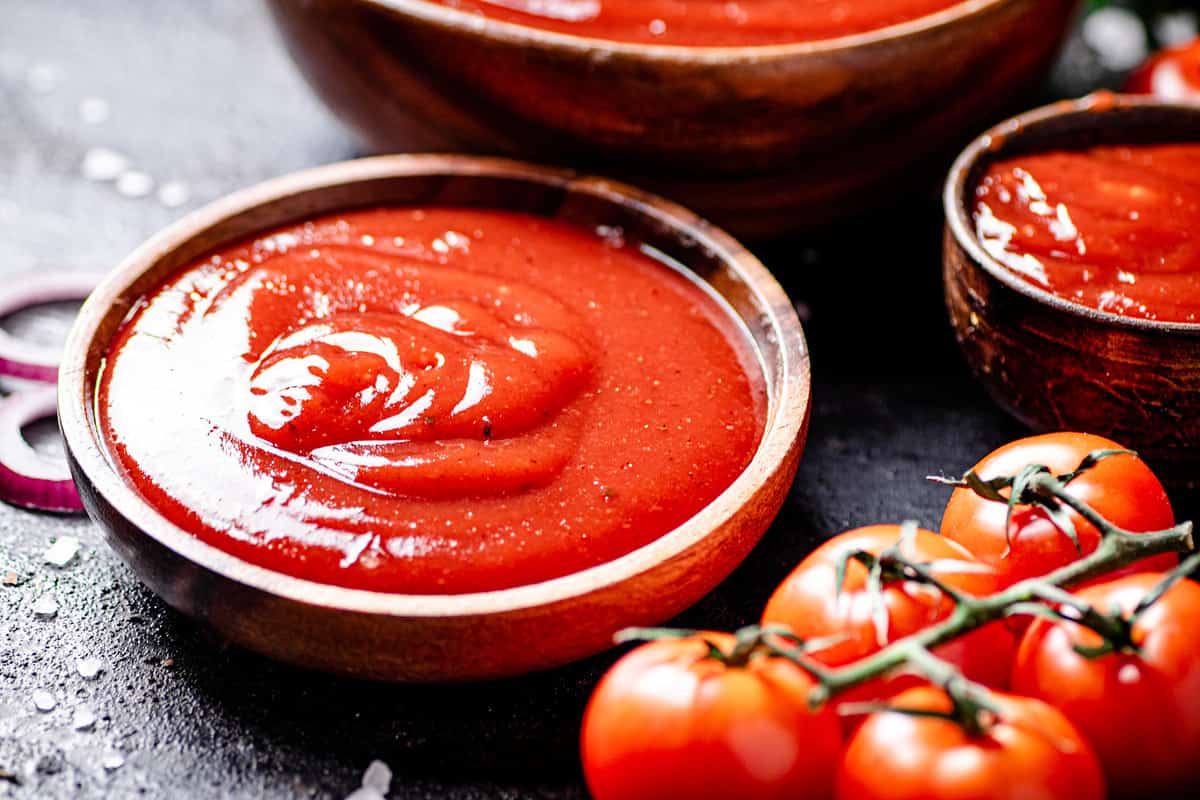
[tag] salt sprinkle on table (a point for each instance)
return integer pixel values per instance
(46, 607)
(44, 701)
(89, 668)
(62, 552)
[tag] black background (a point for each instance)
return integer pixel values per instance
(201, 92)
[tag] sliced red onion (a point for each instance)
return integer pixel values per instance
(28, 478)
(22, 359)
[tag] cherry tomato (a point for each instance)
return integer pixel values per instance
(808, 602)
(1121, 488)
(1173, 74)
(670, 721)
(1029, 751)
(1140, 708)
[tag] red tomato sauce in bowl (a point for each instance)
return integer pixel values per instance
(1113, 228)
(431, 401)
(706, 23)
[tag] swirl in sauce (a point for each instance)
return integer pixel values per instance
(438, 400)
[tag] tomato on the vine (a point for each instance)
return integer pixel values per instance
(1172, 74)
(1121, 488)
(811, 603)
(1029, 750)
(671, 720)
(1140, 704)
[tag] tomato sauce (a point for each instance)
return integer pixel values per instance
(1173, 74)
(1112, 228)
(706, 23)
(431, 400)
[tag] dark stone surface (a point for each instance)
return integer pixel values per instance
(200, 92)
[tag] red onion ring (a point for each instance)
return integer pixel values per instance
(30, 479)
(21, 359)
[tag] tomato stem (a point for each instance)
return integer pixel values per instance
(1115, 627)
(1034, 484)
(1044, 596)
(973, 708)
(750, 641)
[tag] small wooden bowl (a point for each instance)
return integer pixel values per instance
(763, 140)
(443, 637)
(1053, 364)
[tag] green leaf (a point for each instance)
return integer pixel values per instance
(879, 613)
(1092, 653)
(868, 560)
(989, 490)
(825, 642)
(1035, 610)
(839, 577)
(1020, 486)
(1091, 460)
(1185, 569)
(782, 632)
(1062, 520)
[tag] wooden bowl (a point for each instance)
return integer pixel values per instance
(442, 637)
(1053, 364)
(763, 140)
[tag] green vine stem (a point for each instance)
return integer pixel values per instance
(1118, 548)
(1044, 596)
(972, 706)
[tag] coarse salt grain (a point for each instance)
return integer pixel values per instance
(44, 701)
(84, 719)
(378, 777)
(46, 607)
(103, 164)
(134, 183)
(173, 194)
(62, 552)
(113, 761)
(89, 668)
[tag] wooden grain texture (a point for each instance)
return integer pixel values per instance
(1056, 365)
(763, 140)
(461, 637)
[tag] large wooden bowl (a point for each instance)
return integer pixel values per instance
(459, 637)
(762, 140)
(1054, 364)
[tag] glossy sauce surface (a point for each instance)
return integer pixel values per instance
(1112, 228)
(706, 23)
(431, 401)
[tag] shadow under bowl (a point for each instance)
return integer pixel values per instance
(442, 637)
(1058, 365)
(763, 140)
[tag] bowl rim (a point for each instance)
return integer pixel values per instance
(959, 218)
(786, 414)
(456, 19)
